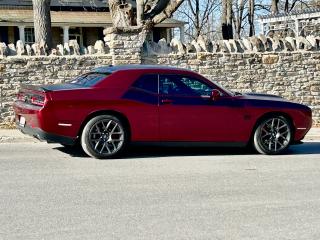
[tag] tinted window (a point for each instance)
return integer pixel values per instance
(148, 82)
(89, 79)
(183, 85)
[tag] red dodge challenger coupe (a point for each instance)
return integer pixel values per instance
(109, 107)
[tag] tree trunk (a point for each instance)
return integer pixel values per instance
(197, 16)
(274, 6)
(167, 12)
(226, 21)
(237, 16)
(286, 6)
(42, 21)
(224, 25)
(229, 19)
(251, 18)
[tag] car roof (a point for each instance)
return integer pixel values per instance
(111, 68)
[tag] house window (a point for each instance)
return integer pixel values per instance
(29, 36)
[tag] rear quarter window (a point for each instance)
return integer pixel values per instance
(147, 82)
(89, 79)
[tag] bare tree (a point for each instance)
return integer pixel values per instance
(290, 5)
(199, 15)
(42, 21)
(149, 12)
(238, 16)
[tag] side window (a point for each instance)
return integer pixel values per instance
(183, 85)
(198, 87)
(148, 82)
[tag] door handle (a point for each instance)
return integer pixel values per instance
(166, 101)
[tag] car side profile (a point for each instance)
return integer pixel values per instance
(109, 107)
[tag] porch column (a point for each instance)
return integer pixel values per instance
(21, 33)
(168, 35)
(181, 33)
(65, 34)
(262, 28)
(296, 24)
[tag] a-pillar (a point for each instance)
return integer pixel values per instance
(22, 34)
(65, 34)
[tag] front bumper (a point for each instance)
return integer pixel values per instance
(44, 136)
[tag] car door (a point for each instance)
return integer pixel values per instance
(143, 108)
(187, 113)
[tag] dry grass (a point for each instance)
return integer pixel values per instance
(8, 125)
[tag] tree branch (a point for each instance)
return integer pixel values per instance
(167, 12)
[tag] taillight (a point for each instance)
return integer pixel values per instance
(37, 100)
(31, 98)
(20, 96)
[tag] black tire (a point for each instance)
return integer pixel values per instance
(104, 136)
(272, 135)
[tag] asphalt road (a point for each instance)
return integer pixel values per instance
(49, 192)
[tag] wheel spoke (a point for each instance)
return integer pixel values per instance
(114, 128)
(108, 149)
(95, 147)
(266, 132)
(108, 125)
(103, 145)
(284, 125)
(270, 145)
(113, 145)
(103, 126)
(281, 144)
(98, 130)
(286, 132)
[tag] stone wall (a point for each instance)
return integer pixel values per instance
(294, 75)
(39, 70)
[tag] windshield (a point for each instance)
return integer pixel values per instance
(89, 79)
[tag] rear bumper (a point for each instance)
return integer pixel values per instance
(45, 136)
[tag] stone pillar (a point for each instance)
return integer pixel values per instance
(125, 44)
(168, 35)
(181, 33)
(66, 34)
(22, 34)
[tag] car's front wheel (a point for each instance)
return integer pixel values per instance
(272, 135)
(104, 136)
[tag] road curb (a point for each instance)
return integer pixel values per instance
(14, 135)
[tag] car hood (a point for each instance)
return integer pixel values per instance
(263, 96)
(270, 101)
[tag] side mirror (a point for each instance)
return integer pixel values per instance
(215, 95)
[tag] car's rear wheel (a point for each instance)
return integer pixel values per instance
(272, 135)
(104, 136)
